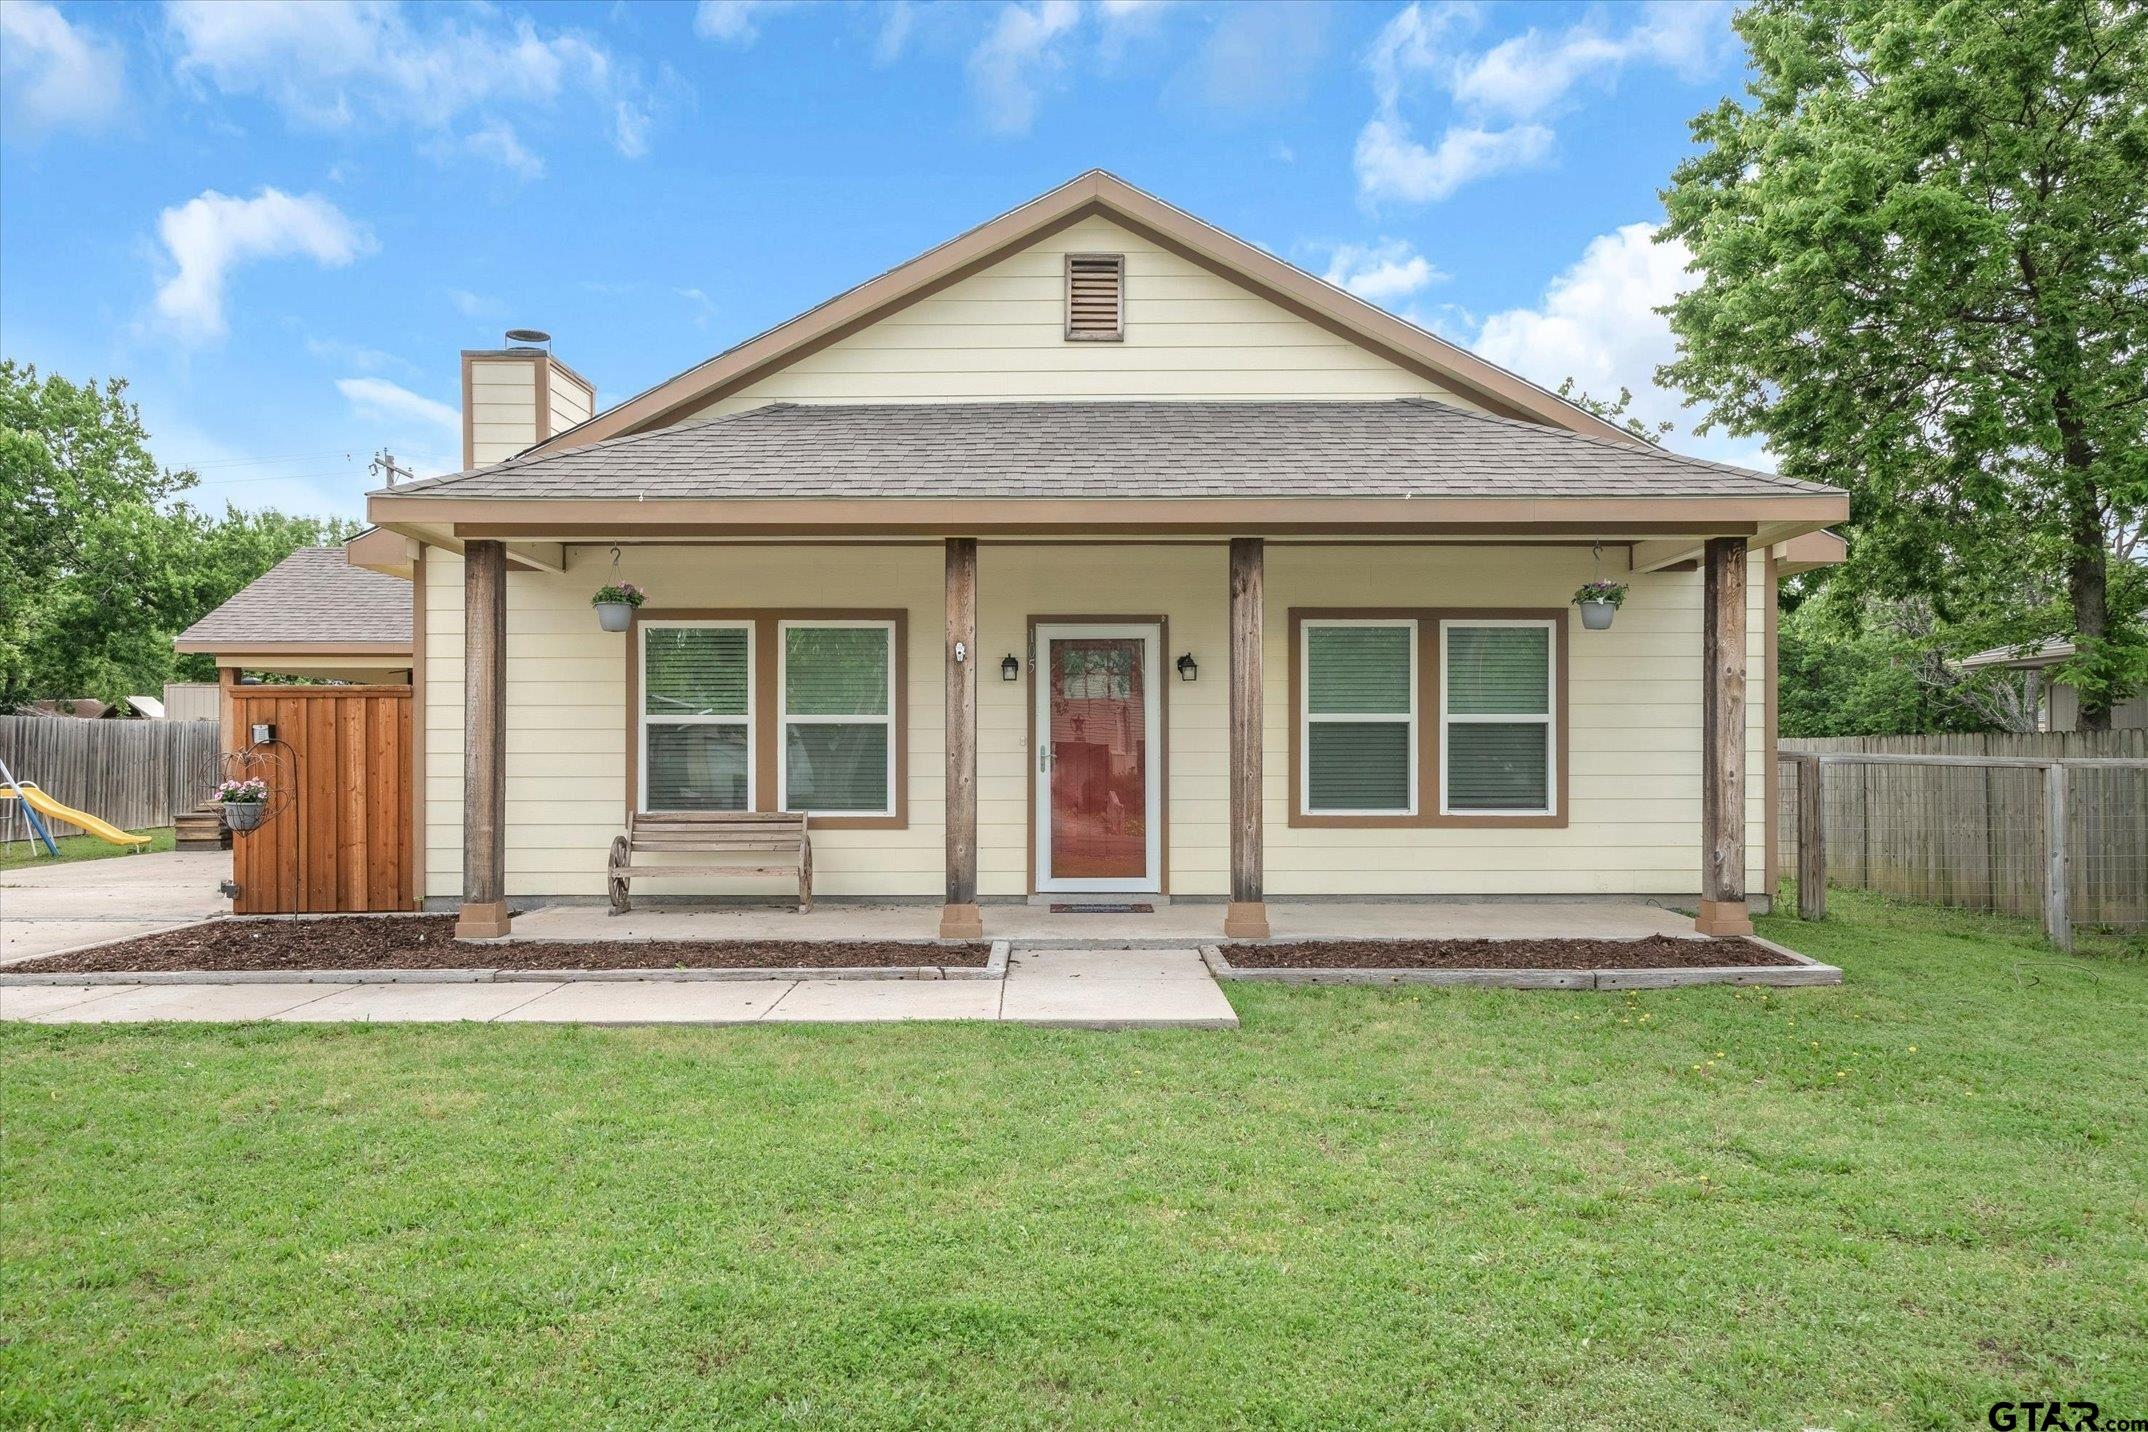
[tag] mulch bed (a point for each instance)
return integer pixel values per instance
(1657, 952)
(427, 942)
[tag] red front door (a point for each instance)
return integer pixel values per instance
(1097, 703)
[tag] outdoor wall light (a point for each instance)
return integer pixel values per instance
(1188, 669)
(1010, 669)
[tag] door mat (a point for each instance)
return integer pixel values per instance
(1132, 909)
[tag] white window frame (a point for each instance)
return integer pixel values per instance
(641, 656)
(785, 720)
(1306, 716)
(1549, 720)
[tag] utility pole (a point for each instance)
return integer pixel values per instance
(385, 468)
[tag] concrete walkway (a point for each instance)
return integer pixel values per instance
(47, 909)
(1085, 989)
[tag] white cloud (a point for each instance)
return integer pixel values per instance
(1391, 164)
(56, 75)
(338, 65)
(383, 401)
(497, 143)
(210, 235)
(1382, 272)
(1256, 57)
(1500, 96)
(1532, 72)
(734, 22)
(896, 22)
(1597, 324)
(475, 305)
(1017, 58)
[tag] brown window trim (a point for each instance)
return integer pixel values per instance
(1431, 769)
(766, 716)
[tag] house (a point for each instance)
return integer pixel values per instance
(2057, 705)
(1095, 553)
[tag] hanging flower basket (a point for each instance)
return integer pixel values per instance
(242, 802)
(615, 605)
(1599, 601)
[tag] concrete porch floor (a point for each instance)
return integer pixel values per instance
(1167, 926)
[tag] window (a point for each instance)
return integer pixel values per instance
(838, 704)
(1360, 717)
(696, 728)
(1096, 297)
(1496, 702)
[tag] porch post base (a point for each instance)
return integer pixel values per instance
(1723, 918)
(961, 922)
(487, 920)
(1245, 920)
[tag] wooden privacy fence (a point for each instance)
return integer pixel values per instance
(135, 774)
(337, 829)
(1975, 828)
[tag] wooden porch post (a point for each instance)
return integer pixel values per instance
(1722, 905)
(484, 761)
(961, 919)
(1247, 916)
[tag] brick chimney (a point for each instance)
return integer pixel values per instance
(518, 395)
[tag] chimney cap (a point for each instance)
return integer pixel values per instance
(529, 336)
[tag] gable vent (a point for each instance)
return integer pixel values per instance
(1096, 297)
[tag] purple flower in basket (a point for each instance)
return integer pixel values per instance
(250, 790)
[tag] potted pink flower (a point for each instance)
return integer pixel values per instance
(242, 802)
(1598, 602)
(615, 605)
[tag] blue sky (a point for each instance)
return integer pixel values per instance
(282, 222)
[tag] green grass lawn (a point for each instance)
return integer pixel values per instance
(1885, 1204)
(19, 853)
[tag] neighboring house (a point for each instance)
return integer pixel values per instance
(2058, 705)
(313, 615)
(1282, 580)
(74, 708)
(190, 700)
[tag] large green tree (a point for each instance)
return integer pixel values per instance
(102, 562)
(1922, 249)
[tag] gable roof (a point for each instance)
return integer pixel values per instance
(1387, 448)
(1095, 192)
(311, 600)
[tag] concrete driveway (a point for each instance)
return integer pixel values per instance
(45, 909)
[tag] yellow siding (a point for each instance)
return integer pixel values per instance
(502, 419)
(1000, 334)
(1634, 708)
(571, 402)
(566, 711)
(1634, 705)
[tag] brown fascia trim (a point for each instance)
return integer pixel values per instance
(378, 550)
(1091, 193)
(1808, 551)
(294, 648)
(519, 518)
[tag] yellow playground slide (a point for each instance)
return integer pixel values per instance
(51, 809)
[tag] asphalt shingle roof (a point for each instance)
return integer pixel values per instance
(309, 597)
(1403, 447)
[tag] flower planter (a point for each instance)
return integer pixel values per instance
(1596, 616)
(615, 616)
(243, 815)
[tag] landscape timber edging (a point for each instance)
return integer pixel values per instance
(1803, 971)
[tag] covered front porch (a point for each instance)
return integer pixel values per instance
(1641, 752)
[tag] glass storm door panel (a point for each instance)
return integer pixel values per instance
(1098, 704)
